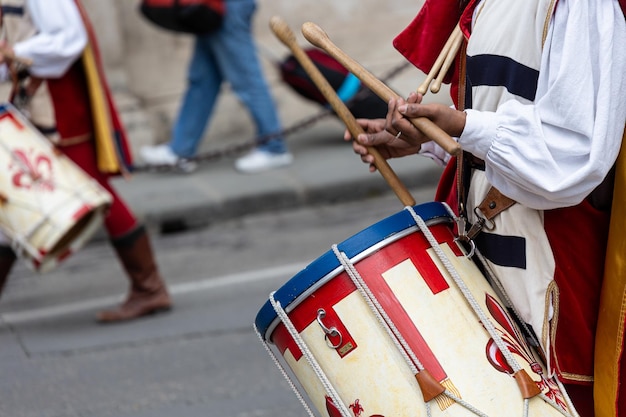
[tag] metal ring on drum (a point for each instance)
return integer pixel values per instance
(411, 342)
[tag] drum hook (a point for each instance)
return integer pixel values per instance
(464, 237)
(328, 332)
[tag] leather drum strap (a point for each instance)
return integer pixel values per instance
(494, 203)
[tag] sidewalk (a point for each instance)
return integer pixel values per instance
(325, 170)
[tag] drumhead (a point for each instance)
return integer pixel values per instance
(358, 246)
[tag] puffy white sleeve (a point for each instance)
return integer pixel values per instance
(60, 39)
(554, 152)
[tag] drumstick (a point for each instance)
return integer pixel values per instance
(423, 88)
(457, 40)
(319, 38)
(286, 35)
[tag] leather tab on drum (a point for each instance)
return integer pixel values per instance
(429, 386)
(527, 386)
(494, 203)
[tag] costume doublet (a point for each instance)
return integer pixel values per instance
(64, 94)
(541, 147)
(68, 78)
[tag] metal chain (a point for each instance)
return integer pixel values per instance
(238, 149)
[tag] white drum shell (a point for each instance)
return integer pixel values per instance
(50, 207)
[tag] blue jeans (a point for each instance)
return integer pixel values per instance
(229, 55)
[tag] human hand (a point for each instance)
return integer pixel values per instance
(400, 112)
(6, 52)
(376, 136)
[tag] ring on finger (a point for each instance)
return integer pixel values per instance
(398, 134)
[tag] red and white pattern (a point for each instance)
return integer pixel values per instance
(50, 207)
(417, 293)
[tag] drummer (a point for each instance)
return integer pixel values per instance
(540, 115)
(54, 91)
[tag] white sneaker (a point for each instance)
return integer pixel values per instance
(163, 155)
(258, 161)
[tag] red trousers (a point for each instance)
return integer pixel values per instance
(120, 220)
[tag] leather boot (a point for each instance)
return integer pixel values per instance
(148, 293)
(7, 259)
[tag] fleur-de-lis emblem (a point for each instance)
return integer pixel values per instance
(514, 342)
(356, 407)
(32, 170)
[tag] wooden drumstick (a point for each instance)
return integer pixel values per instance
(457, 40)
(434, 71)
(318, 37)
(286, 35)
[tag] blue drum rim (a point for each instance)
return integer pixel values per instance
(432, 213)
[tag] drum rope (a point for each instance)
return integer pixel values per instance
(465, 291)
(396, 336)
(502, 292)
(282, 370)
(317, 369)
(568, 400)
(494, 280)
(414, 364)
(471, 300)
(401, 344)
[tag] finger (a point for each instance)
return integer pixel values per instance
(413, 110)
(375, 139)
(414, 98)
(347, 136)
(389, 117)
(392, 116)
(359, 150)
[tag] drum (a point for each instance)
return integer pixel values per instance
(398, 321)
(49, 206)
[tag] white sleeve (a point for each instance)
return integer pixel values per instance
(554, 152)
(435, 152)
(60, 39)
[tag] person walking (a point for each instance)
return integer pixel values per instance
(226, 55)
(57, 91)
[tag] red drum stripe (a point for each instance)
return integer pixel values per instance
(411, 247)
(304, 314)
(82, 211)
(13, 120)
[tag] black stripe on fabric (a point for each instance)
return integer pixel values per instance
(13, 10)
(496, 70)
(47, 130)
(509, 251)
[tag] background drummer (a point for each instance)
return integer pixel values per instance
(56, 91)
(540, 113)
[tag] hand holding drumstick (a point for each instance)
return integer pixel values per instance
(396, 136)
(7, 55)
(427, 128)
(408, 124)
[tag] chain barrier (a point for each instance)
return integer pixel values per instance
(189, 164)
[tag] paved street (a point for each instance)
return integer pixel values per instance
(201, 359)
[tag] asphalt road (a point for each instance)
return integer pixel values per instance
(201, 359)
